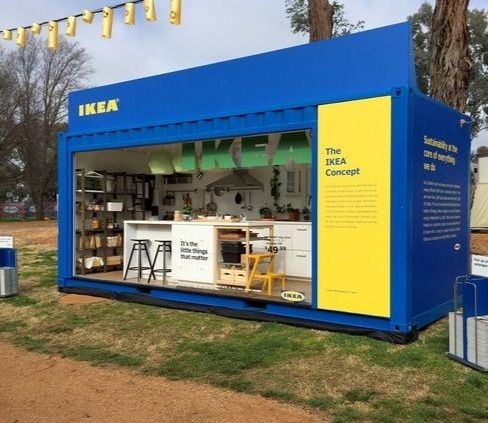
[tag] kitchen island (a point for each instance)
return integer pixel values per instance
(195, 252)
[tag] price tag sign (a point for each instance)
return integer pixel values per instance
(6, 242)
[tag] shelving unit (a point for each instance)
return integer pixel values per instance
(237, 274)
(95, 240)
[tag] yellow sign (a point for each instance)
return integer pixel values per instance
(354, 151)
(293, 296)
(99, 107)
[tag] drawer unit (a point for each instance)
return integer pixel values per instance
(298, 263)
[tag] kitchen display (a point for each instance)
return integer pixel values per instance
(230, 216)
(298, 186)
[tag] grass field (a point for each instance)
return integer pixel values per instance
(342, 377)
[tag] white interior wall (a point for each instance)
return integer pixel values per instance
(137, 162)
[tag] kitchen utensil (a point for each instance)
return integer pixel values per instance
(238, 198)
(249, 205)
(212, 206)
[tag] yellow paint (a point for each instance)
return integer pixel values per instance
(354, 152)
(98, 107)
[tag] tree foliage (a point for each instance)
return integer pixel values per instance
(477, 104)
(298, 13)
(40, 81)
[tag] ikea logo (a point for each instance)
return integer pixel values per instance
(293, 296)
(105, 106)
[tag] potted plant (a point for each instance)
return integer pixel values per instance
(306, 213)
(293, 214)
(187, 211)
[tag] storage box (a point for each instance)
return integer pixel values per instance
(115, 206)
(226, 274)
(112, 241)
(114, 260)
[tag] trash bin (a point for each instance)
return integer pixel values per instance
(9, 284)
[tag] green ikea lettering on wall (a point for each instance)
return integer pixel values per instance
(254, 151)
(293, 146)
(187, 159)
(217, 157)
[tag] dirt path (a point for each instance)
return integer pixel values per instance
(41, 235)
(38, 388)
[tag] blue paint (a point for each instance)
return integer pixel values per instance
(8, 257)
(435, 262)
(277, 92)
(299, 76)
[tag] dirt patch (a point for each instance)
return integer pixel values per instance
(37, 388)
(74, 299)
(40, 235)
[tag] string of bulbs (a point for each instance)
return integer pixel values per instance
(88, 17)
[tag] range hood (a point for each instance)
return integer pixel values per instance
(238, 179)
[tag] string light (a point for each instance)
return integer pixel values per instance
(107, 23)
(21, 37)
(71, 27)
(130, 14)
(52, 37)
(175, 12)
(87, 16)
(150, 10)
(36, 29)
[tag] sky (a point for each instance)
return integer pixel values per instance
(211, 31)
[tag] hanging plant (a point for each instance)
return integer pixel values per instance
(274, 184)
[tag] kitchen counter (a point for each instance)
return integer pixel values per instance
(196, 249)
(194, 245)
(216, 222)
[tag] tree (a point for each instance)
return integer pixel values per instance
(298, 11)
(43, 80)
(451, 63)
(477, 104)
(320, 18)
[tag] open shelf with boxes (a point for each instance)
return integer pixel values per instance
(234, 245)
(100, 200)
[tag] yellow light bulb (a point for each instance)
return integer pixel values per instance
(130, 14)
(36, 28)
(52, 37)
(21, 37)
(87, 16)
(175, 12)
(107, 23)
(71, 27)
(150, 10)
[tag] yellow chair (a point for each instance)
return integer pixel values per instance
(268, 276)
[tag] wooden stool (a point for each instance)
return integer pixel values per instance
(268, 276)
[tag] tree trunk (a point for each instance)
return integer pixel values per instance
(320, 15)
(451, 63)
(38, 203)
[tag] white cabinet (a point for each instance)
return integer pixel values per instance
(298, 263)
(293, 242)
(193, 253)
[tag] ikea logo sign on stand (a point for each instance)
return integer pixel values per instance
(105, 106)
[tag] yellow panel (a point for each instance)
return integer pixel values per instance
(354, 149)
